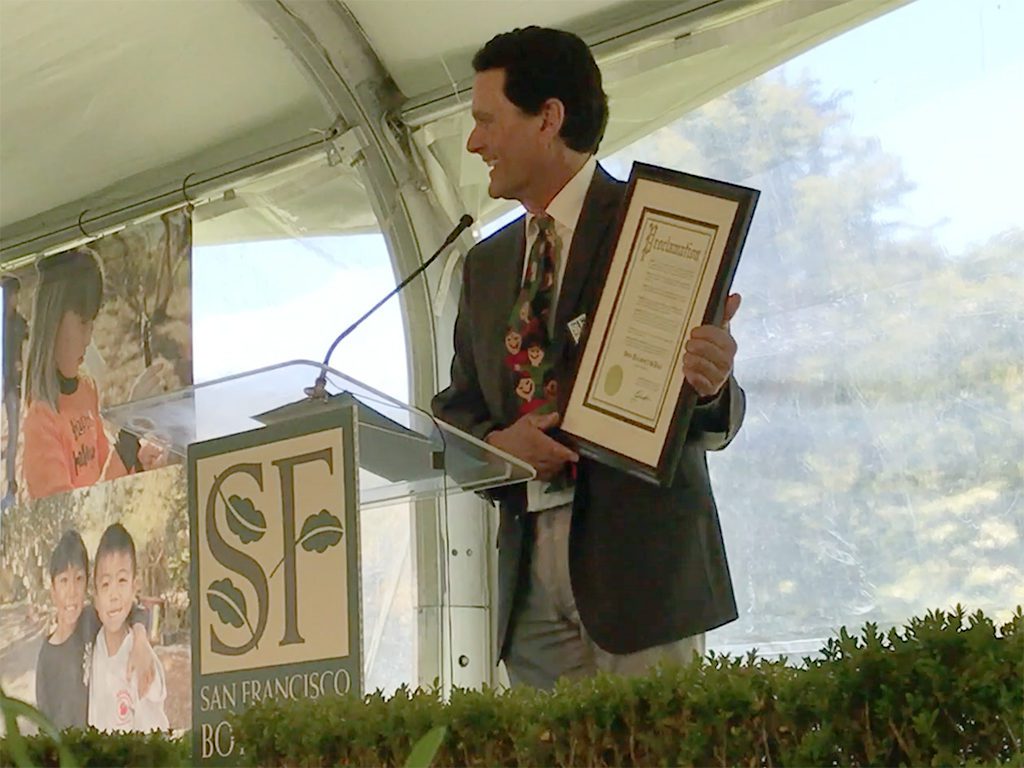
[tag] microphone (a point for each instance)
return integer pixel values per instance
(318, 391)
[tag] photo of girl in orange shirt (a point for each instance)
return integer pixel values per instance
(66, 445)
(85, 331)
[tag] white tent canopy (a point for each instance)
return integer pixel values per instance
(103, 105)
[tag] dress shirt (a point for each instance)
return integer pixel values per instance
(565, 209)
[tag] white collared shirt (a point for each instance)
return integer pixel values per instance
(114, 701)
(565, 209)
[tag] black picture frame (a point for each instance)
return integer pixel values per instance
(655, 196)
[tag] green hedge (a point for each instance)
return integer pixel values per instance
(947, 690)
(92, 748)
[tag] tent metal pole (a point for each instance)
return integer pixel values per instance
(453, 613)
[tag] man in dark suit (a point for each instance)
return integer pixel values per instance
(597, 569)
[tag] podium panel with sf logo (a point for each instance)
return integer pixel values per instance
(273, 522)
(277, 482)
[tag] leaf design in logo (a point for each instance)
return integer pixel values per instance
(228, 602)
(244, 520)
(320, 531)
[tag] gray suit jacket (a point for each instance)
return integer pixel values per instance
(648, 564)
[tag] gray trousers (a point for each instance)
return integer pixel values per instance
(548, 640)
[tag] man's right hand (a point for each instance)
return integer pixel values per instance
(526, 440)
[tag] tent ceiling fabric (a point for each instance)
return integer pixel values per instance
(95, 92)
(428, 44)
(122, 89)
(299, 202)
(663, 79)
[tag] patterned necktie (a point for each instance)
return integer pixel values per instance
(528, 353)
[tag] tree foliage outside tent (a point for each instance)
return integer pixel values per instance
(880, 467)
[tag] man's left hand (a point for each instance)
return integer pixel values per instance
(710, 353)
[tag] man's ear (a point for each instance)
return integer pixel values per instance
(553, 113)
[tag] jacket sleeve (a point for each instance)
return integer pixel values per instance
(462, 403)
(716, 423)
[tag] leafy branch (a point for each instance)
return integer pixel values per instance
(319, 533)
(244, 520)
(228, 602)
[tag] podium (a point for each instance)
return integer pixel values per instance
(276, 484)
(405, 453)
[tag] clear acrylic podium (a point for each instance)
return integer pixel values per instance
(404, 453)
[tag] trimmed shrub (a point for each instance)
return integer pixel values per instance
(946, 690)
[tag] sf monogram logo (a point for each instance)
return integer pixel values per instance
(272, 565)
(248, 524)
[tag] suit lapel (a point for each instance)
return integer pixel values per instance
(585, 270)
(508, 273)
(586, 255)
(504, 282)
(587, 262)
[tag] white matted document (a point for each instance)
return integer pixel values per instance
(678, 245)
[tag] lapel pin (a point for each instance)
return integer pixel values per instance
(576, 326)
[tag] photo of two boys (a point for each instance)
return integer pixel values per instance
(97, 666)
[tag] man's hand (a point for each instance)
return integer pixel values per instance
(141, 659)
(526, 440)
(710, 353)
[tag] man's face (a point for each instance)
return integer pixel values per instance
(73, 336)
(67, 589)
(115, 589)
(506, 138)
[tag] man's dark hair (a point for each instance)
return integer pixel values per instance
(542, 64)
(70, 551)
(116, 539)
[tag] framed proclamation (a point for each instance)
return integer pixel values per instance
(678, 245)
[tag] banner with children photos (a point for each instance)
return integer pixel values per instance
(94, 527)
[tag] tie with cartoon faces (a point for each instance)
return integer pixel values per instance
(527, 342)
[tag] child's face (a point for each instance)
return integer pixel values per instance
(67, 589)
(73, 336)
(115, 589)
